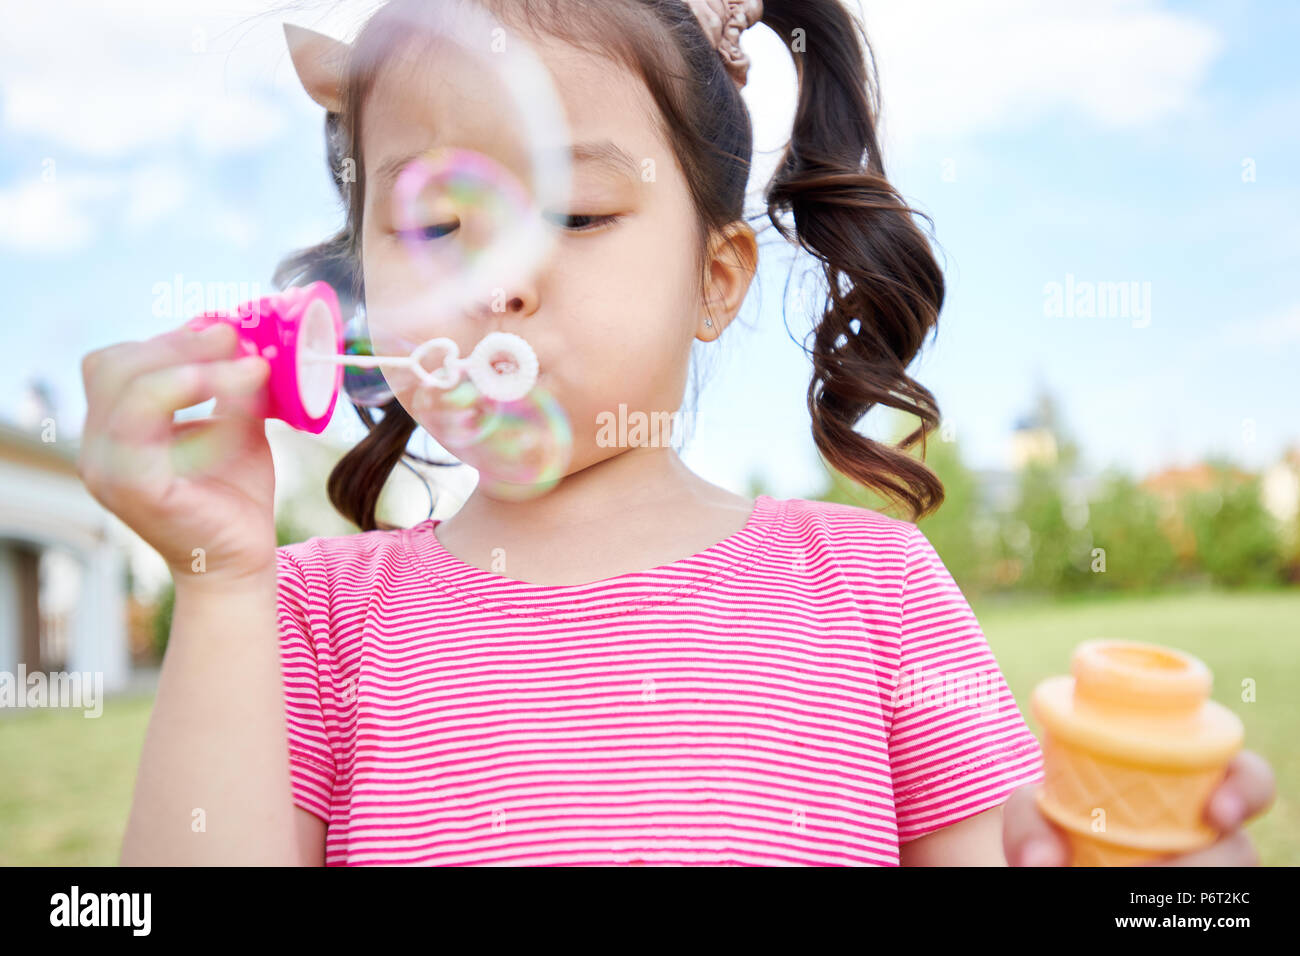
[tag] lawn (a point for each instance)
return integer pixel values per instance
(66, 781)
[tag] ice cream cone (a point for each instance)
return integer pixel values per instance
(1132, 749)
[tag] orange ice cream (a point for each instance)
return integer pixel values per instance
(1132, 749)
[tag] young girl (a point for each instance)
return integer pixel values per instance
(664, 673)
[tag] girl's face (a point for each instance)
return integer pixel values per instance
(612, 311)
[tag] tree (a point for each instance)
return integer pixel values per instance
(1236, 537)
(1052, 550)
(1124, 520)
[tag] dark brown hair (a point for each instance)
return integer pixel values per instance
(884, 286)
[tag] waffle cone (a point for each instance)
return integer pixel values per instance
(1132, 750)
(1116, 814)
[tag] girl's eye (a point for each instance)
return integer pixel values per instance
(577, 223)
(573, 223)
(426, 233)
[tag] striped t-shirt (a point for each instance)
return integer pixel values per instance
(814, 689)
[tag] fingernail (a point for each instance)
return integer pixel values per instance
(1228, 808)
(1039, 853)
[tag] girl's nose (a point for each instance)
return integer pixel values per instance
(517, 302)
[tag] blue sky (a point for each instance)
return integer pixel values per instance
(1105, 142)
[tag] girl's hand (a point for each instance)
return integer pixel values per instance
(200, 492)
(1029, 839)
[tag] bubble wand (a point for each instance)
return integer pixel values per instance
(299, 332)
(503, 365)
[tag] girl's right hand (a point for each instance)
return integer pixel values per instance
(200, 492)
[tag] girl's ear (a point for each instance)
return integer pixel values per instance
(320, 61)
(733, 262)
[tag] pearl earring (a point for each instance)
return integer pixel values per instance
(708, 323)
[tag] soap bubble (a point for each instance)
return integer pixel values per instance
(473, 205)
(465, 221)
(472, 213)
(522, 448)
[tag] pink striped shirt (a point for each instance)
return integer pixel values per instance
(813, 690)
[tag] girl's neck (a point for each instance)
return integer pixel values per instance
(613, 495)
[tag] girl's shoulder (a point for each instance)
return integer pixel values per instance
(333, 553)
(865, 540)
(836, 516)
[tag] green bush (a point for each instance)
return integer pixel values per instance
(1055, 552)
(952, 529)
(1237, 540)
(1124, 520)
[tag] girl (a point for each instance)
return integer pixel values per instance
(667, 672)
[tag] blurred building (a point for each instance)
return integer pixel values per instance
(62, 563)
(1280, 486)
(1033, 441)
(1174, 482)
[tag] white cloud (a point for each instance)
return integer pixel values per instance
(54, 217)
(108, 121)
(149, 79)
(233, 225)
(123, 100)
(68, 213)
(110, 82)
(154, 192)
(953, 69)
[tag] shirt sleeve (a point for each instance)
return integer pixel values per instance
(958, 744)
(311, 761)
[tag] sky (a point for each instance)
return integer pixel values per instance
(1058, 147)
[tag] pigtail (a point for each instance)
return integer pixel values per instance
(885, 287)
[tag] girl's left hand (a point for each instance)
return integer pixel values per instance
(1247, 790)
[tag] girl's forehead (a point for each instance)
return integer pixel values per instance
(459, 97)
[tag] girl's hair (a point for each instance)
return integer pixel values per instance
(884, 286)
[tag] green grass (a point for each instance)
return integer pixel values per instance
(1241, 636)
(66, 781)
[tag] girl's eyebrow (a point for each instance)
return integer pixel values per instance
(602, 153)
(608, 154)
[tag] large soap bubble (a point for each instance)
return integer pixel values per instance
(472, 214)
(472, 193)
(521, 448)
